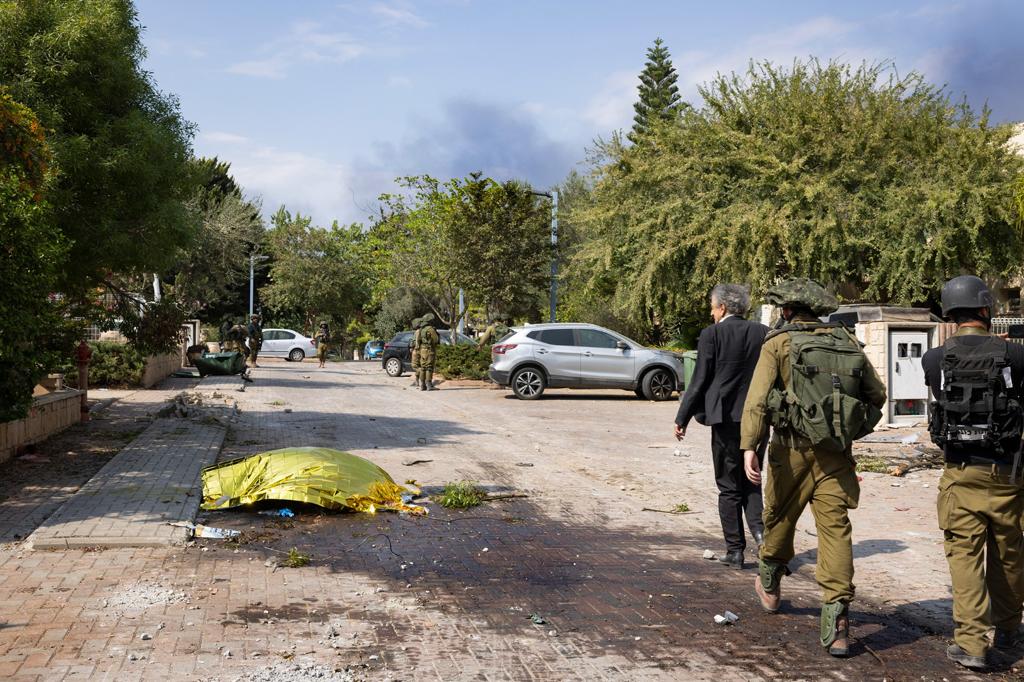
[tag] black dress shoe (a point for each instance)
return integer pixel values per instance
(733, 558)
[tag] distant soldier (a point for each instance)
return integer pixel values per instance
(237, 336)
(815, 386)
(323, 343)
(976, 379)
(495, 331)
(255, 338)
(225, 327)
(413, 351)
(427, 340)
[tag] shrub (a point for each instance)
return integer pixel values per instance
(462, 495)
(462, 362)
(112, 364)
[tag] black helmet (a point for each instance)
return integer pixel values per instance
(966, 291)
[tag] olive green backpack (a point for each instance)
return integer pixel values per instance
(823, 403)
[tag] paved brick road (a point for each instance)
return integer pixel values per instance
(624, 592)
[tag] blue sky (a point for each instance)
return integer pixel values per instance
(319, 105)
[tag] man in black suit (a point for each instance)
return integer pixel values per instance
(727, 352)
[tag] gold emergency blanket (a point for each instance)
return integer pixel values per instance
(330, 478)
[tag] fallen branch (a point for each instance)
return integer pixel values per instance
(670, 511)
(509, 496)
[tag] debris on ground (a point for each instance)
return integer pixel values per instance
(710, 555)
(537, 619)
(329, 478)
(201, 531)
(293, 671)
(524, 464)
(413, 462)
(140, 596)
(727, 618)
(284, 512)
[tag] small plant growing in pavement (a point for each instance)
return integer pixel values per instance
(461, 495)
(681, 507)
(296, 559)
(873, 464)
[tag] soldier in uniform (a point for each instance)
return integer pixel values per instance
(496, 330)
(803, 465)
(225, 328)
(255, 338)
(427, 340)
(414, 354)
(237, 337)
(976, 419)
(323, 343)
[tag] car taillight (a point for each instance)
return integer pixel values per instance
(387, 345)
(502, 348)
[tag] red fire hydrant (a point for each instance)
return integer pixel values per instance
(83, 355)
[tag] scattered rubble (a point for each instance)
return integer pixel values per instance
(293, 671)
(710, 555)
(139, 596)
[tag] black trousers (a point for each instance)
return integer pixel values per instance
(737, 496)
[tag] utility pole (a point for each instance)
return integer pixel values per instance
(462, 317)
(554, 253)
(252, 267)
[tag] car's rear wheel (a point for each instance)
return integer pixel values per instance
(528, 383)
(296, 355)
(393, 367)
(658, 385)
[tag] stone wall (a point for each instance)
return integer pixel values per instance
(159, 367)
(50, 414)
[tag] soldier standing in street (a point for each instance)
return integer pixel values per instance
(236, 339)
(414, 354)
(807, 370)
(976, 419)
(323, 343)
(495, 331)
(427, 340)
(225, 329)
(255, 338)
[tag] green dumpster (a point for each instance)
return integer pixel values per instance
(220, 364)
(689, 365)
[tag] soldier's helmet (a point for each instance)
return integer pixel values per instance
(417, 322)
(428, 318)
(323, 325)
(254, 317)
(802, 292)
(966, 292)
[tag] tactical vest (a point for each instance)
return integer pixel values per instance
(973, 409)
(823, 401)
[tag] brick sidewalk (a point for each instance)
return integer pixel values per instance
(152, 482)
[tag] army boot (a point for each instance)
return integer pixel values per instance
(768, 584)
(835, 628)
(955, 653)
(428, 384)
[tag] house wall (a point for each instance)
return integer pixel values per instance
(159, 367)
(49, 414)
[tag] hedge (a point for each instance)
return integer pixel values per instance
(112, 364)
(462, 361)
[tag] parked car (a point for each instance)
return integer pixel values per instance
(286, 343)
(541, 356)
(397, 356)
(373, 349)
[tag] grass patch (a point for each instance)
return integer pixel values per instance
(277, 403)
(461, 495)
(875, 465)
(681, 507)
(296, 559)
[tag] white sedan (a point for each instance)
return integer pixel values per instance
(286, 343)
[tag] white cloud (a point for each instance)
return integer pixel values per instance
(221, 137)
(398, 15)
(305, 42)
(612, 106)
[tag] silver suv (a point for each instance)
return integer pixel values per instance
(535, 357)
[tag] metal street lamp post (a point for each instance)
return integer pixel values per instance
(252, 266)
(553, 298)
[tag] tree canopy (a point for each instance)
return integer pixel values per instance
(877, 185)
(658, 93)
(120, 146)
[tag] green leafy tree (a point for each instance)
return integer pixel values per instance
(659, 99)
(485, 238)
(119, 144)
(30, 255)
(877, 185)
(316, 274)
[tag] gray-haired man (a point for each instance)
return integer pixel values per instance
(727, 353)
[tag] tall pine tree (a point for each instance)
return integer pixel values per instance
(659, 96)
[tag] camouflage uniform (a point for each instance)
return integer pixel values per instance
(255, 338)
(323, 343)
(798, 473)
(426, 349)
(237, 338)
(413, 351)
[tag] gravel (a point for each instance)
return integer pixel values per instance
(140, 596)
(294, 672)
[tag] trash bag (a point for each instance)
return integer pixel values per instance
(220, 364)
(329, 478)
